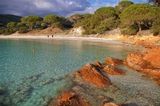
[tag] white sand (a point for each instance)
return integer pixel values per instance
(95, 39)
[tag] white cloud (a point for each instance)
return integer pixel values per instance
(42, 4)
(44, 7)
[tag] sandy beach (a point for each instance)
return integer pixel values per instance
(60, 37)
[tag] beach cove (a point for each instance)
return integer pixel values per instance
(41, 71)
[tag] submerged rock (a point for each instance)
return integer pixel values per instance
(69, 98)
(5, 99)
(46, 82)
(21, 94)
(2, 90)
(93, 74)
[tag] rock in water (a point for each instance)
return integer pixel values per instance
(112, 70)
(113, 61)
(94, 75)
(69, 98)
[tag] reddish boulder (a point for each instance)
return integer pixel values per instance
(98, 64)
(153, 57)
(69, 98)
(113, 70)
(113, 61)
(148, 63)
(135, 61)
(94, 75)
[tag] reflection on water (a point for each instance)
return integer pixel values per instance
(32, 72)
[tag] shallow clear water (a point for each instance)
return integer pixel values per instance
(33, 71)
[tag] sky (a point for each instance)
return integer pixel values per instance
(59, 7)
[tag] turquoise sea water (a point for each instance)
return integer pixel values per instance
(33, 71)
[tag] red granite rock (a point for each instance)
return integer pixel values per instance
(69, 98)
(94, 75)
(113, 61)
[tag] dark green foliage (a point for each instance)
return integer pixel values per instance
(67, 24)
(57, 21)
(31, 21)
(90, 24)
(130, 30)
(83, 21)
(8, 31)
(104, 19)
(156, 27)
(43, 25)
(156, 23)
(2, 31)
(123, 5)
(57, 25)
(105, 12)
(139, 14)
(2, 25)
(12, 25)
(51, 19)
(64, 23)
(23, 29)
(107, 24)
(11, 28)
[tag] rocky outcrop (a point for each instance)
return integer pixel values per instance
(136, 61)
(94, 75)
(153, 57)
(97, 73)
(69, 98)
(78, 31)
(113, 61)
(111, 70)
(148, 63)
(109, 66)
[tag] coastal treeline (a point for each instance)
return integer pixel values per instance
(129, 17)
(29, 23)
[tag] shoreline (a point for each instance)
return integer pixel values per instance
(59, 37)
(145, 41)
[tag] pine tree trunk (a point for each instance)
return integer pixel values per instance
(139, 27)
